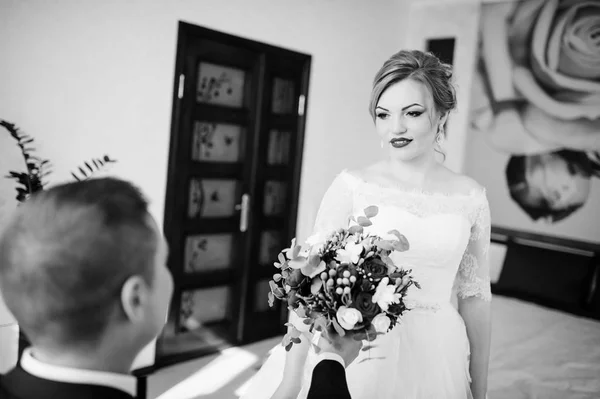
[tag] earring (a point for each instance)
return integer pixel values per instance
(439, 138)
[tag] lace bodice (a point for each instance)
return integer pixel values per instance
(449, 234)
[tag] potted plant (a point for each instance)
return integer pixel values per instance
(32, 179)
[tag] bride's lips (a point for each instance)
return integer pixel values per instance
(400, 142)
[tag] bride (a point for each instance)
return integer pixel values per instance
(436, 351)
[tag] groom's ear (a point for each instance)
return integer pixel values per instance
(134, 298)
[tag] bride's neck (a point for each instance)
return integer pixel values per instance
(413, 172)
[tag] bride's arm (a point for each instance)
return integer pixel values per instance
(474, 298)
(334, 213)
(293, 371)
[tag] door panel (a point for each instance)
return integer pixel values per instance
(234, 169)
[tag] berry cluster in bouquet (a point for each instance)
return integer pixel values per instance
(343, 281)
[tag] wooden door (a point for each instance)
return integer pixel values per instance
(234, 168)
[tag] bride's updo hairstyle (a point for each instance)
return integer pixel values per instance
(422, 67)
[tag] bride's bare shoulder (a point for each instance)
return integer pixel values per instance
(368, 173)
(458, 183)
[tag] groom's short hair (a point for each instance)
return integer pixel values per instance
(65, 254)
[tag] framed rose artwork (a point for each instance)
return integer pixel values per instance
(534, 119)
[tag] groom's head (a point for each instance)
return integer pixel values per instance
(82, 264)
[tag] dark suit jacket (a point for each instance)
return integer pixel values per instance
(329, 381)
(18, 384)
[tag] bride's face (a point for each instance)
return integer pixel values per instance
(407, 121)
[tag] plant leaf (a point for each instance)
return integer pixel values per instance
(271, 298)
(356, 229)
(310, 270)
(401, 246)
(363, 221)
(298, 263)
(341, 332)
(296, 251)
(316, 285)
(281, 258)
(314, 260)
(383, 244)
(86, 171)
(371, 211)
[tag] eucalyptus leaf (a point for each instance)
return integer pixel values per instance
(316, 285)
(310, 270)
(400, 246)
(364, 222)
(355, 229)
(296, 251)
(383, 244)
(341, 332)
(314, 260)
(282, 259)
(271, 299)
(371, 211)
(298, 262)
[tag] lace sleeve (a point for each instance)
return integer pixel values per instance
(336, 207)
(473, 279)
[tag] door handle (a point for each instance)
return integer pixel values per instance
(244, 207)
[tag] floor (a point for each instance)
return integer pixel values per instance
(220, 376)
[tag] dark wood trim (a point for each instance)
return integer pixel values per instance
(212, 113)
(589, 302)
(592, 298)
(195, 30)
(202, 280)
(261, 63)
(215, 170)
(210, 226)
(141, 386)
(295, 172)
(287, 123)
(558, 243)
(172, 184)
(253, 188)
(572, 309)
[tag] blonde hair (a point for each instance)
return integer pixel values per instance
(422, 67)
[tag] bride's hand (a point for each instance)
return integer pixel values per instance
(348, 346)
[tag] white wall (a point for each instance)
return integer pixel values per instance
(8, 328)
(88, 77)
(458, 19)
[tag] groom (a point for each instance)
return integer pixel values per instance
(329, 377)
(83, 270)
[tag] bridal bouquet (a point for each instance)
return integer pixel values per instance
(343, 280)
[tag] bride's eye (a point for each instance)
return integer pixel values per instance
(414, 114)
(382, 115)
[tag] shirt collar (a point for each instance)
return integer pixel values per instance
(123, 382)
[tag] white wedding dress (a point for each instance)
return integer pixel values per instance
(427, 354)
